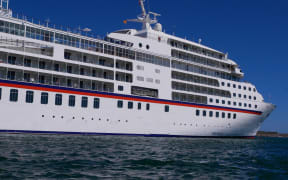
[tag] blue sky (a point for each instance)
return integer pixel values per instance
(254, 33)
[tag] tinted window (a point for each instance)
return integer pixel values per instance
(44, 98)
(130, 105)
(139, 106)
(14, 95)
(84, 102)
(211, 113)
(217, 114)
(223, 115)
(29, 96)
(229, 115)
(120, 104)
(120, 88)
(166, 108)
(96, 103)
(147, 107)
(58, 99)
(197, 112)
(204, 113)
(72, 101)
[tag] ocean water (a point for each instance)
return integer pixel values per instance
(112, 157)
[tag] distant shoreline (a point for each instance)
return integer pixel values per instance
(270, 134)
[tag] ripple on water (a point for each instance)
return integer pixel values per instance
(76, 157)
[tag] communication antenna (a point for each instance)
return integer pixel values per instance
(145, 18)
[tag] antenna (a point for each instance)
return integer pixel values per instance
(144, 18)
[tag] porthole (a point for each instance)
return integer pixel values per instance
(147, 47)
(140, 45)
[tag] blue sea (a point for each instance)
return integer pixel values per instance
(112, 157)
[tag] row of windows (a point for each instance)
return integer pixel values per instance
(58, 99)
(239, 87)
(189, 47)
(202, 70)
(200, 89)
(44, 35)
(217, 114)
(244, 96)
(201, 60)
(194, 79)
(240, 104)
(120, 104)
(71, 100)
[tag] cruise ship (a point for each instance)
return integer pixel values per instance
(141, 82)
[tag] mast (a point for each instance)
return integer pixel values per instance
(141, 2)
(144, 18)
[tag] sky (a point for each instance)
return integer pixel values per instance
(254, 33)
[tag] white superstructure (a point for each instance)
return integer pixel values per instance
(135, 82)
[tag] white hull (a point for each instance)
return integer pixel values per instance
(108, 119)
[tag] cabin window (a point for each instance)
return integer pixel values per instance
(217, 101)
(120, 88)
(11, 75)
(229, 115)
(217, 114)
(147, 107)
(139, 106)
(58, 99)
(120, 104)
(96, 103)
(197, 112)
(72, 101)
(27, 63)
(29, 96)
(166, 108)
(0, 93)
(223, 101)
(204, 113)
(13, 95)
(130, 105)
(84, 102)
(234, 116)
(11, 59)
(211, 114)
(44, 98)
(211, 100)
(223, 115)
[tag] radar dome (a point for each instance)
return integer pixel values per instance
(158, 27)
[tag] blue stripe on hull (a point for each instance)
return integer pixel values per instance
(116, 134)
(136, 98)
